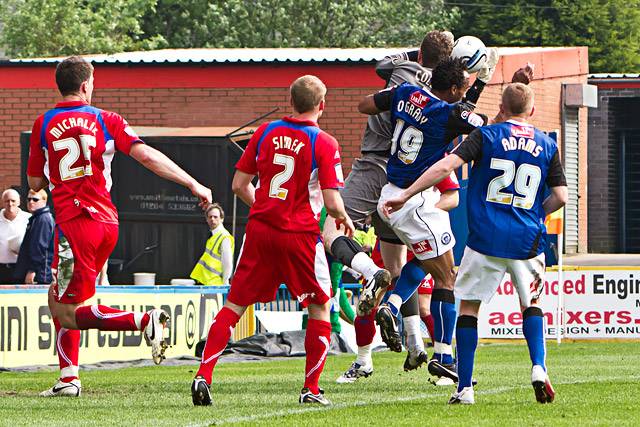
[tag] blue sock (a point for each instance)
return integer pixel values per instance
(533, 329)
(466, 343)
(410, 277)
(443, 310)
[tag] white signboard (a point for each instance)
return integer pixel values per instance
(599, 302)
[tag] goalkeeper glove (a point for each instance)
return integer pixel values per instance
(486, 72)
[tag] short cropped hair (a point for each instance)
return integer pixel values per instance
(517, 98)
(212, 207)
(448, 73)
(307, 92)
(71, 73)
(11, 192)
(436, 47)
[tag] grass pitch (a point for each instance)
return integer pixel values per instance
(596, 384)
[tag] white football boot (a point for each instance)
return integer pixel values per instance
(541, 385)
(464, 396)
(71, 389)
(154, 334)
(355, 371)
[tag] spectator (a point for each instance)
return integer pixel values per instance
(216, 263)
(36, 252)
(13, 224)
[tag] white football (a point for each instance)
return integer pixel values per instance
(471, 50)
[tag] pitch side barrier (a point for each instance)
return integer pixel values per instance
(27, 334)
(597, 302)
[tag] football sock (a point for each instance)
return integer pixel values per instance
(68, 347)
(428, 321)
(413, 334)
(410, 277)
(109, 319)
(394, 302)
(364, 355)
(217, 340)
(443, 310)
(466, 343)
(316, 344)
(365, 327)
(363, 264)
(344, 249)
(533, 329)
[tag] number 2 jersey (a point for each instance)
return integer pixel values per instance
(73, 145)
(511, 163)
(294, 161)
(424, 128)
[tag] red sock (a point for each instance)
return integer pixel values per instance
(428, 320)
(68, 347)
(365, 328)
(217, 340)
(109, 319)
(316, 344)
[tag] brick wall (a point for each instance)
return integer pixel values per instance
(180, 107)
(603, 164)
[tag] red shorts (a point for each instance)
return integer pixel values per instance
(270, 257)
(82, 246)
(426, 286)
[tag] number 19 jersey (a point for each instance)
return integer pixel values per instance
(294, 161)
(72, 146)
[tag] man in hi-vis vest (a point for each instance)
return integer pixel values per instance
(216, 263)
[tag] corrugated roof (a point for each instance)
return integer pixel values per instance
(233, 56)
(614, 76)
(178, 56)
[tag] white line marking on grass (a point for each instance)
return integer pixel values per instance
(307, 409)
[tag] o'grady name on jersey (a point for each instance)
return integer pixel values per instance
(522, 139)
(417, 101)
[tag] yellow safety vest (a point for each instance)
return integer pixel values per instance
(208, 270)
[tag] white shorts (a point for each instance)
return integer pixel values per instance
(421, 226)
(480, 275)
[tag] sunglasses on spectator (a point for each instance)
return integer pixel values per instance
(33, 199)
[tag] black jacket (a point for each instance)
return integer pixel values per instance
(36, 251)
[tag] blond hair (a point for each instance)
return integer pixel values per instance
(307, 92)
(43, 194)
(517, 99)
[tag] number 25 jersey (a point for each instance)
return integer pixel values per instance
(512, 163)
(73, 145)
(294, 160)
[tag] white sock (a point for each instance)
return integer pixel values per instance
(364, 265)
(396, 301)
(415, 344)
(364, 355)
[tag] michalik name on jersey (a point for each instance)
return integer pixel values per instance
(58, 129)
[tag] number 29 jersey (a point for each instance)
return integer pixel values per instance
(73, 145)
(512, 163)
(294, 161)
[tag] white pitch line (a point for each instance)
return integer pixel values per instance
(307, 409)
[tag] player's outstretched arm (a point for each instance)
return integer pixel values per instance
(243, 188)
(335, 208)
(37, 183)
(164, 167)
(368, 106)
(429, 178)
(448, 200)
(557, 199)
